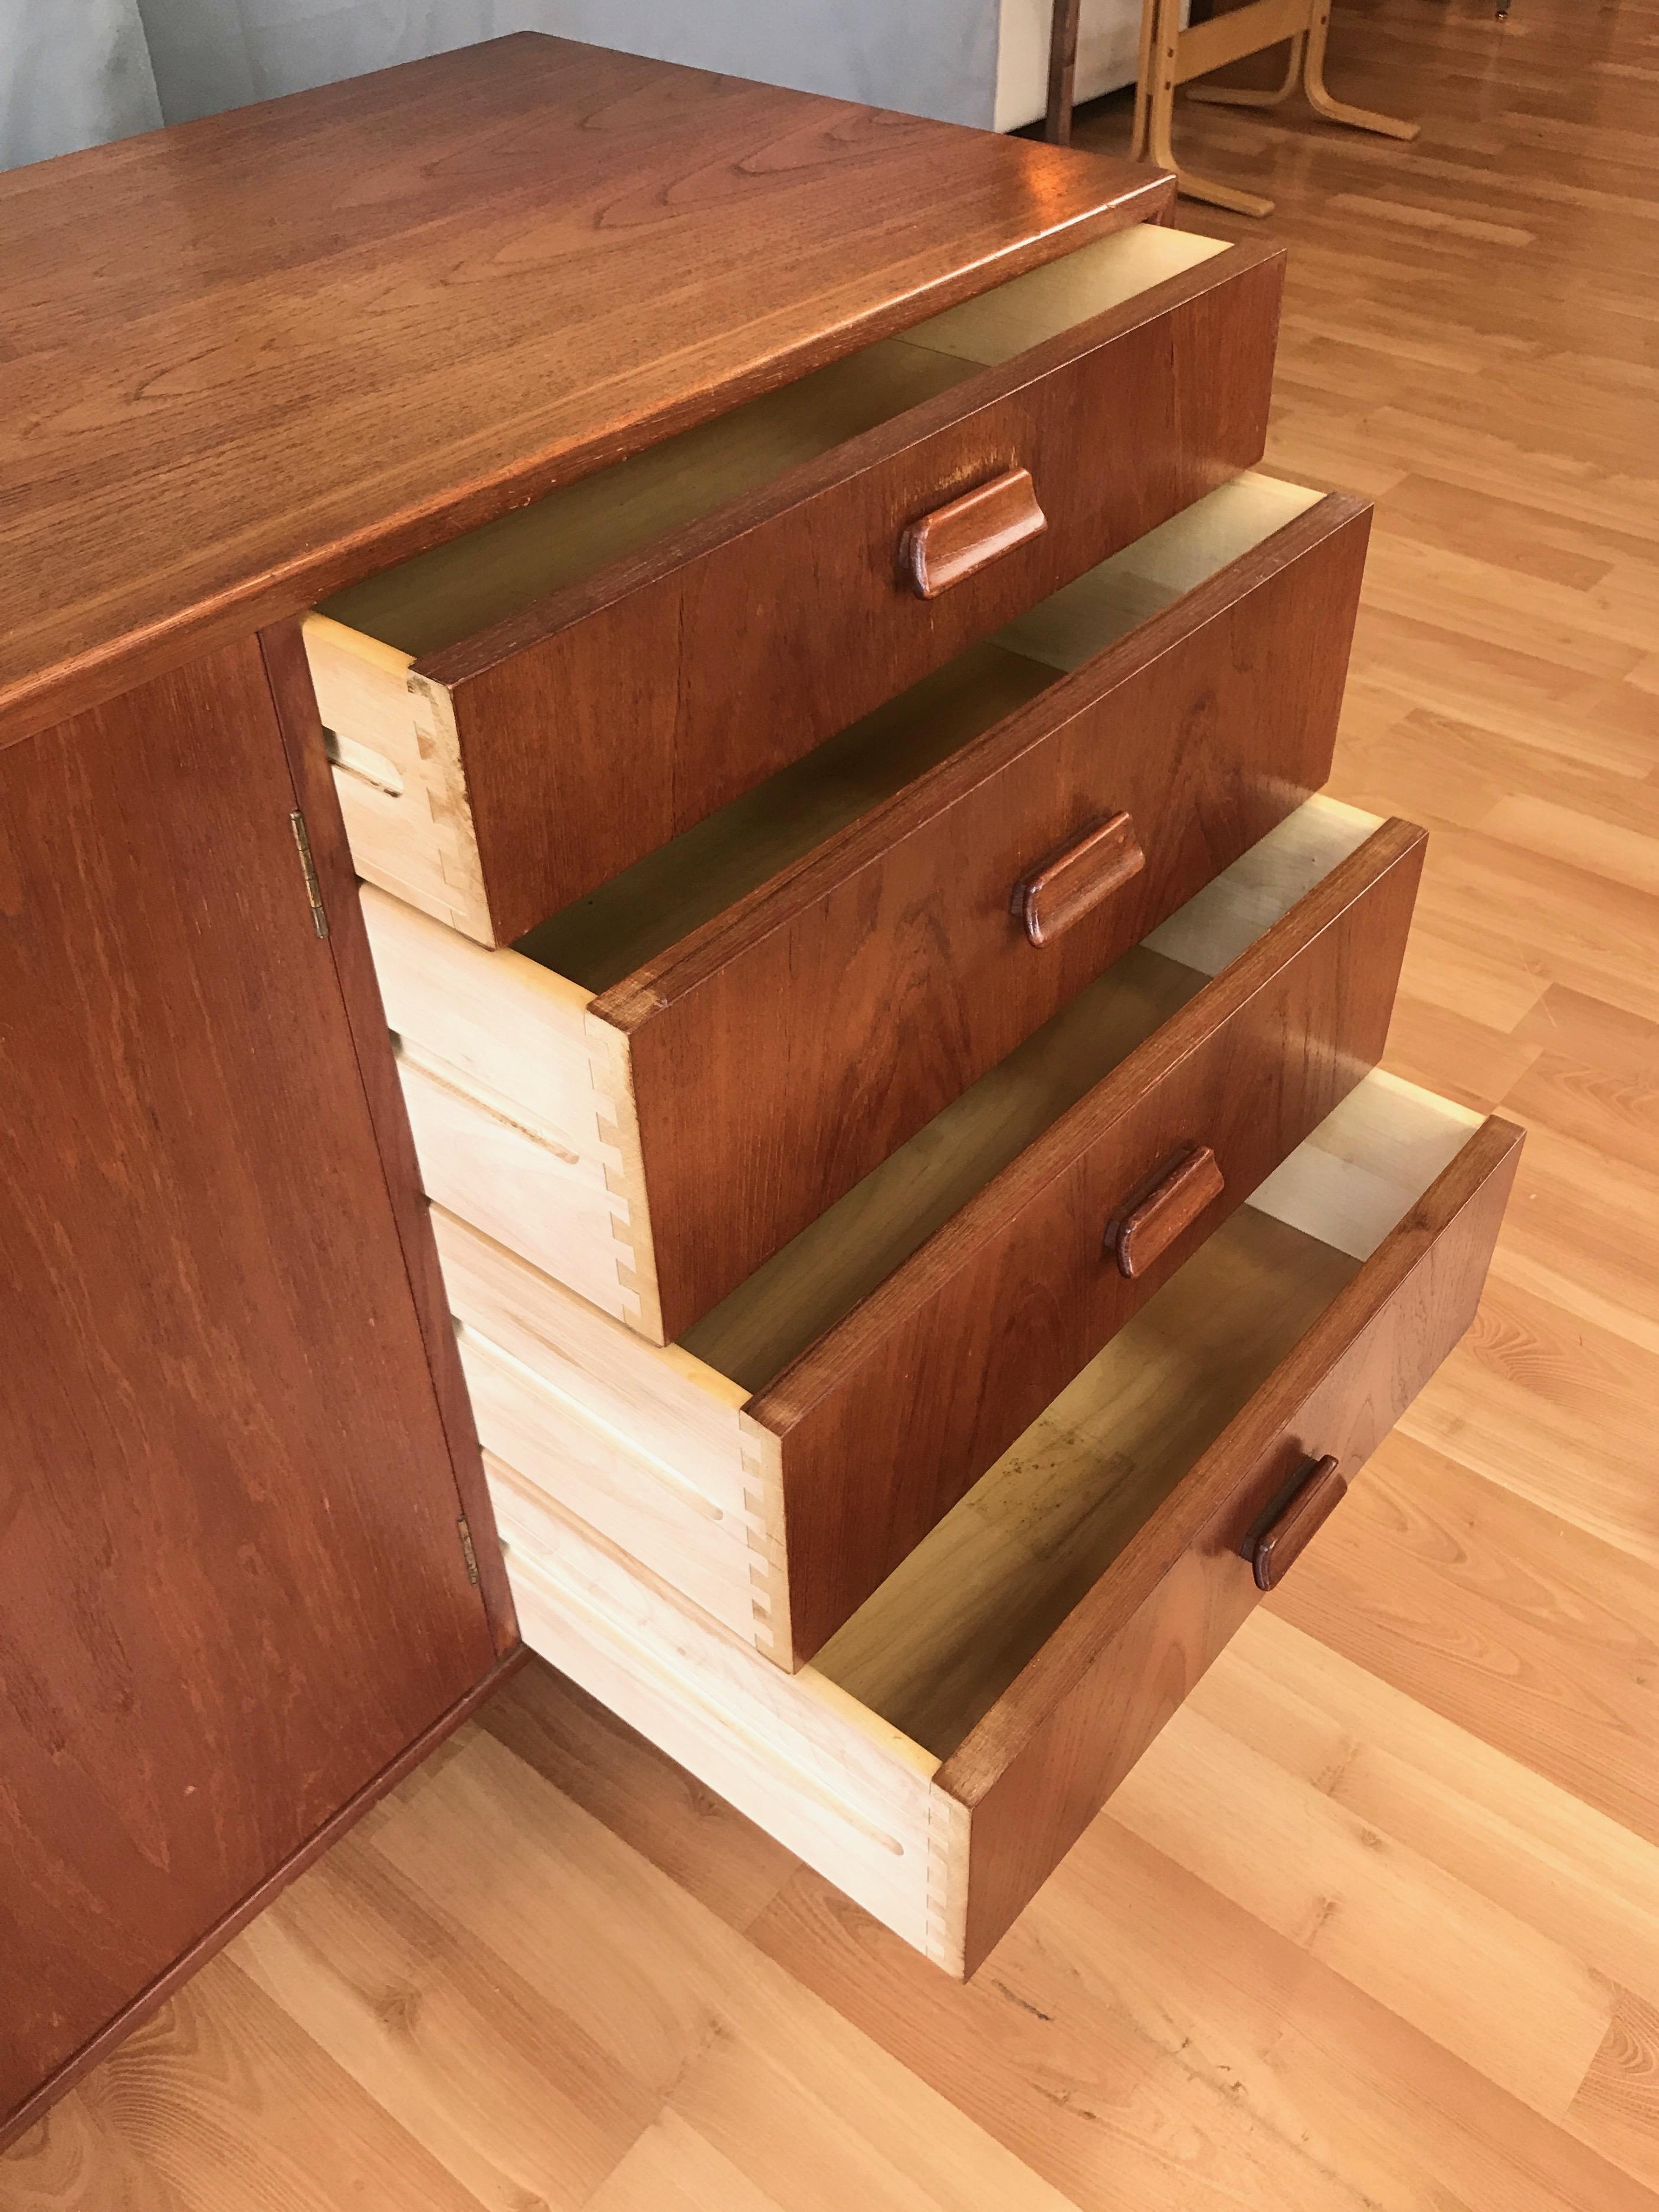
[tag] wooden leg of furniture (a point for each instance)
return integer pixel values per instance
(1338, 111)
(1155, 111)
(1216, 194)
(1170, 57)
(1062, 72)
(1244, 95)
(1145, 75)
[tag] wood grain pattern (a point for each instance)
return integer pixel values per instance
(988, 1155)
(654, 676)
(819, 1771)
(768, 1072)
(304, 351)
(166, 1986)
(1320, 1490)
(959, 1649)
(1014, 1291)
(1099, 860)
(652, 1092)
(652, 1450)
(957, 539)
(1047, 1756)
(1240, 1988)
(234, 1590)
(471, 585)
(987, 1168)
(1151, 1223)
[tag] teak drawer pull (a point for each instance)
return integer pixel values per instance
(1161, 1208)
(1062, 889)
(957, 540)
(1274, 1550)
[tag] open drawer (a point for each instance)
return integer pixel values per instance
(659, 1088)
(961, 1730)
(521, 713)
(782, 1457)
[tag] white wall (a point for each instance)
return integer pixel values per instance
(76, 71)
(1108, 53)
(72, 73)
(927, 57)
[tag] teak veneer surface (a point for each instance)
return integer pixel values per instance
(937, 1763)
(973, 1251)
(720, 641)
(1372, 1925)
(232, 1587)
(319, 334)
(790, 990)
(829, 1016)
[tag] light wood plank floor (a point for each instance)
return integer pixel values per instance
(1376, 1924)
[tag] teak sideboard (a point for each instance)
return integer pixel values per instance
(674, 985)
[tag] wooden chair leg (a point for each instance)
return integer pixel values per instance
(1140, 144)
(1238, 95)
(1062, 71)
(1338, 111)
(1155, 112)
(1216, 194)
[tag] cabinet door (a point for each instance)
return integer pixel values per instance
(232, 1588)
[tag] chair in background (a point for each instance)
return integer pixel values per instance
(1171, 56)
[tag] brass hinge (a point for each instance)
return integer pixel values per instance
(314, 889)
(467, 1552)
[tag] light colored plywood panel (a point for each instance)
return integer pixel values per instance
(484, 1161)
(1219, 923)
(1080, 619)
(493, 1019)
(500, 1034)
(667, 1403)
(1366, 1163)
(647, 1506)
(998, 325)
(818, 1772)
(397, 770)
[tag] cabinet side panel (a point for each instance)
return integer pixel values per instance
(232, 1588)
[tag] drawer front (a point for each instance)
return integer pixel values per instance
(1047, 1755)
(878, 1434)
(606, 719)
(785, 1049)
(948, 1852)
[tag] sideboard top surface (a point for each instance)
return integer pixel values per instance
(247, 360)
